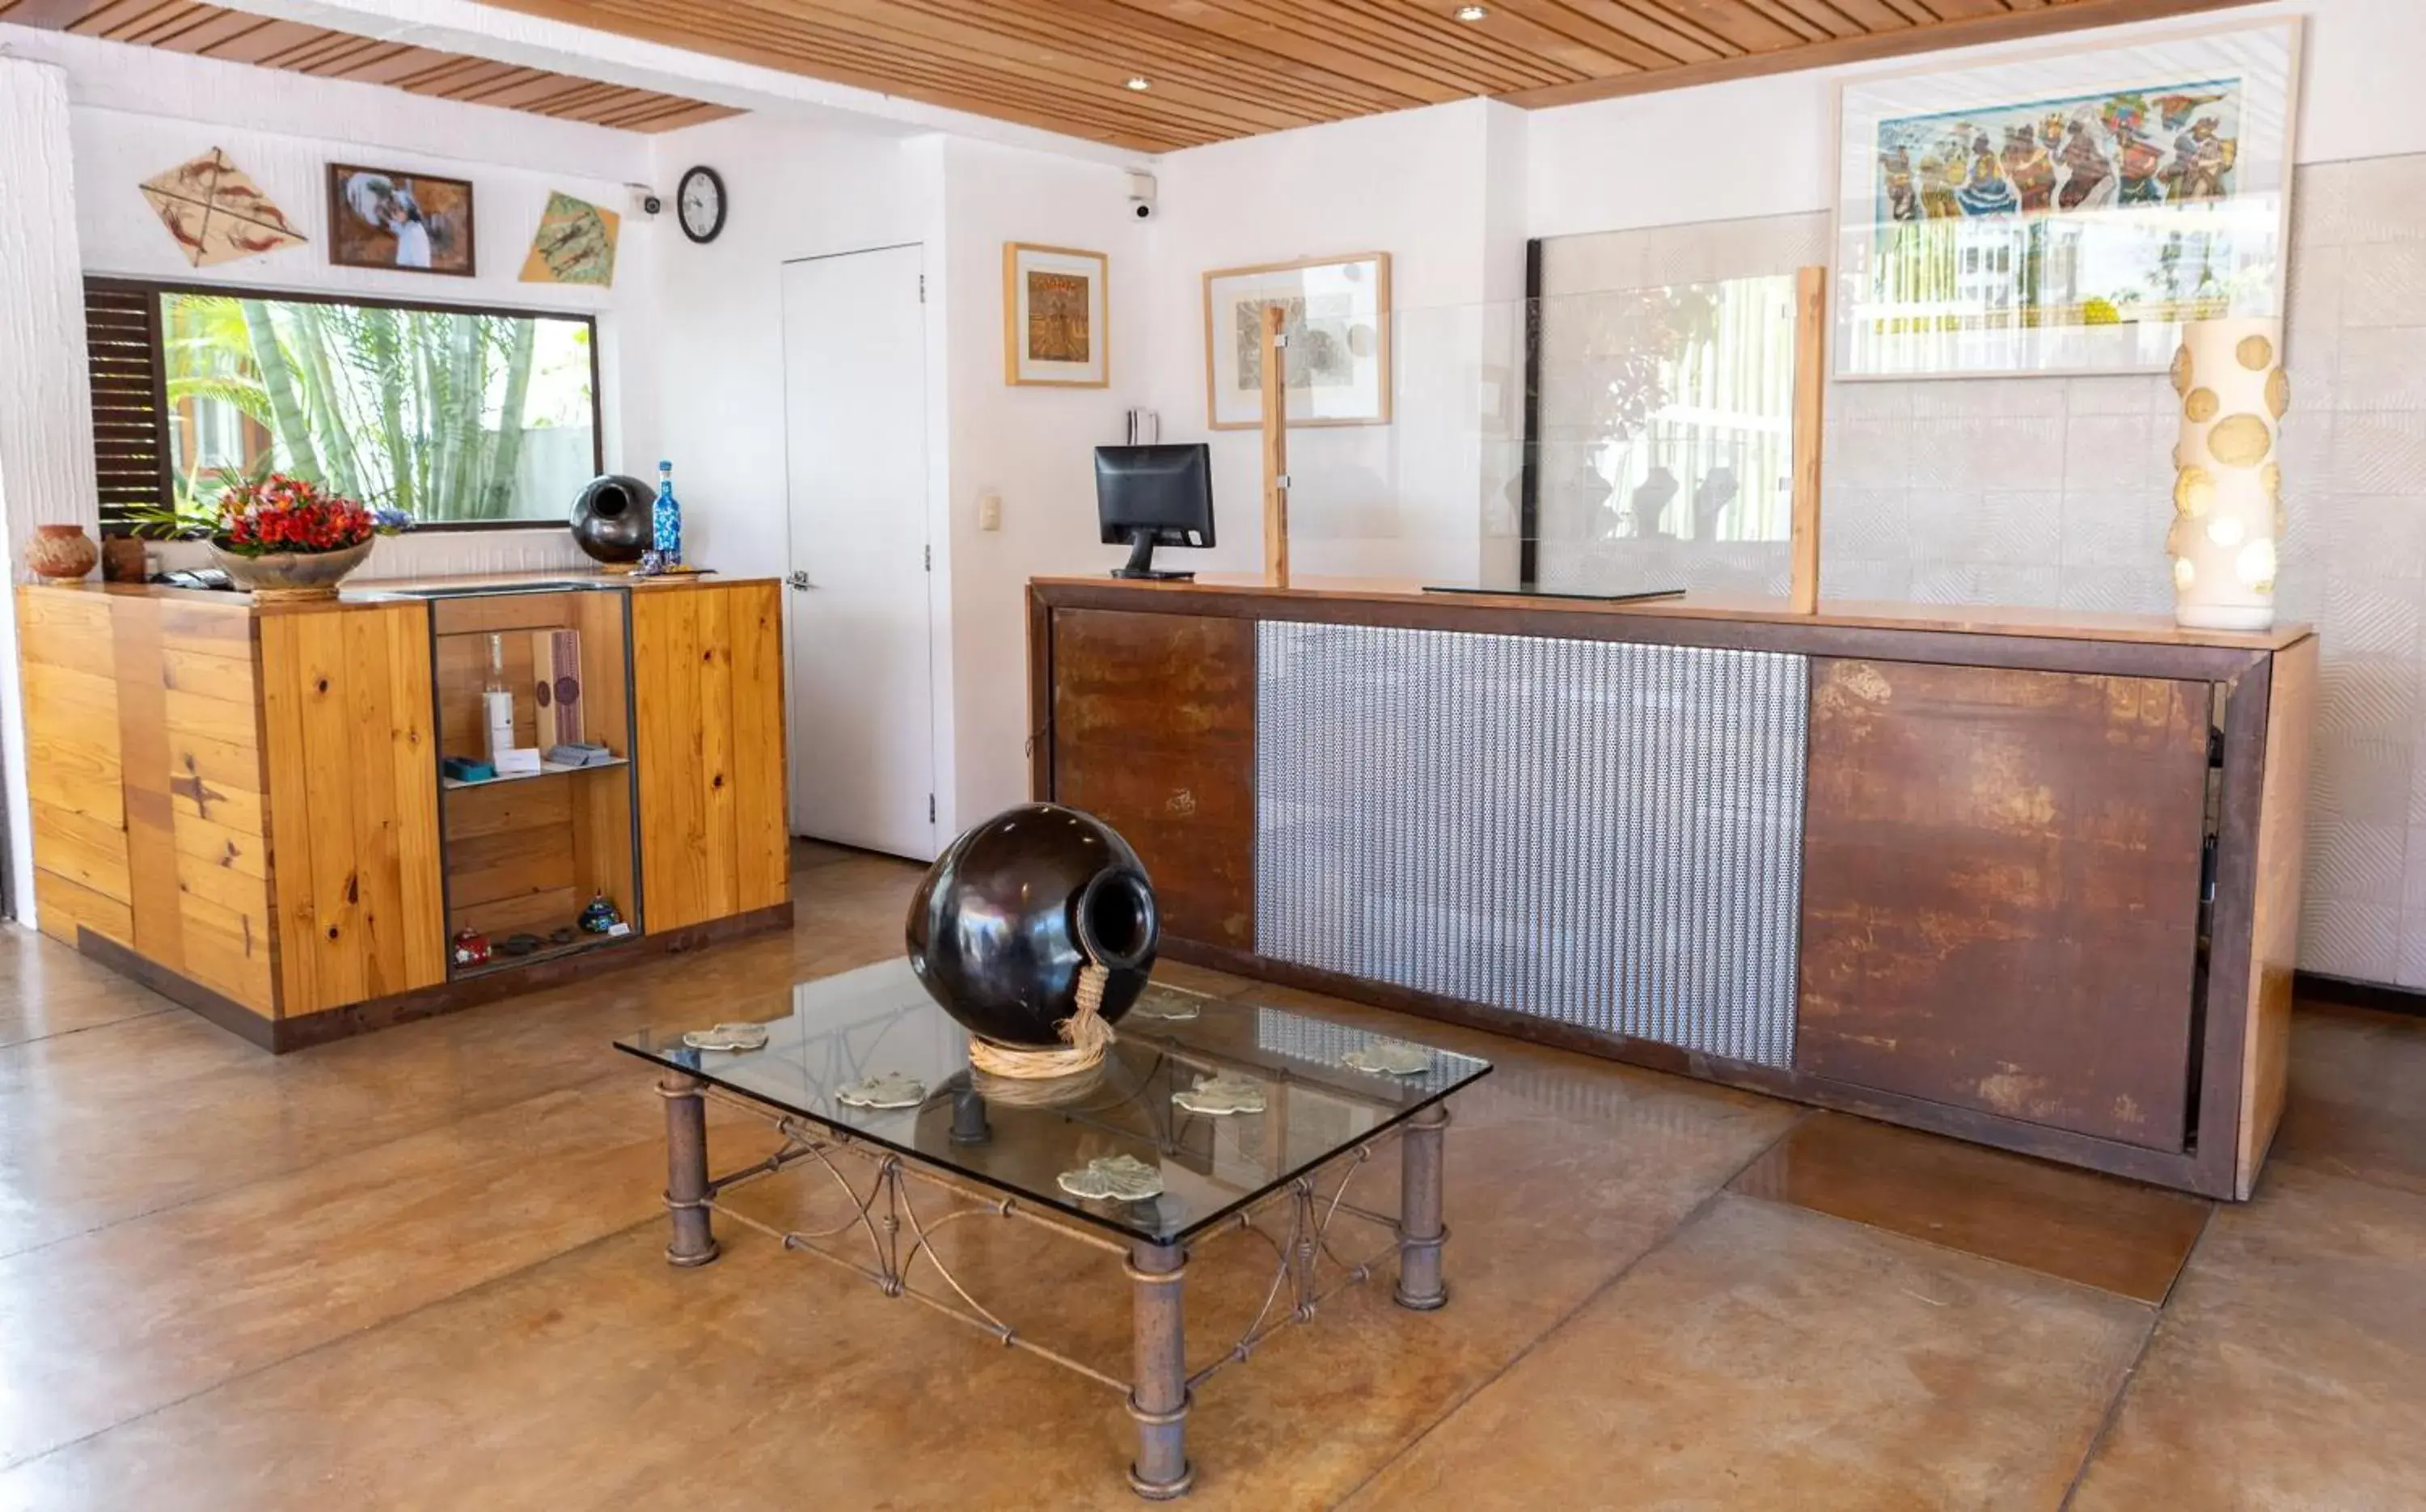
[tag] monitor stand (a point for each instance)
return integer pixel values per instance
(1140, 562)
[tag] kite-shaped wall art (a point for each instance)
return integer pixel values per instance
(575, 244)
(217, 213)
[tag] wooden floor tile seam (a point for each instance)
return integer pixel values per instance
(1691, 1215)
(455, 1115)
(1998, 1261)
(165, 1006)
(239, 1378)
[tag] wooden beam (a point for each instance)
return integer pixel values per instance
(1810, 419)
(2045, 22)
(1275, 392)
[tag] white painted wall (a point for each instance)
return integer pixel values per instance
(46, 466)
(1395, 500)
(718, 365)
(1033, 445)
(134, 112)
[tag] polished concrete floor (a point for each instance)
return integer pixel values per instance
(423, 1270)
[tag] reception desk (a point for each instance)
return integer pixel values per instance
(2029, 878)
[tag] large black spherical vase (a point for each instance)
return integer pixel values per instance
(1014, 909)
(613, 518)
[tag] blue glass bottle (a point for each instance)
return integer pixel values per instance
(666, 522)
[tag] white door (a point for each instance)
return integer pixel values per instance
(863, 684)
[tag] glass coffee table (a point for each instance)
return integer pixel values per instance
(1208, 1116)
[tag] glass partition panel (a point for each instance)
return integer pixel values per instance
(1661, 456)
(1431, 494)
(1667, 449)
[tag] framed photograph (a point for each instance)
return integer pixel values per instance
(1337, 361)
(2064, 213)
(385, 217)
(1056, 328)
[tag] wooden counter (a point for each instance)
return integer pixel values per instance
(240, 804)
(2031, 878)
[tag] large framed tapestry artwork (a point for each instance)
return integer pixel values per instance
(1055, 326)
(1337, 363)
(2063, 213)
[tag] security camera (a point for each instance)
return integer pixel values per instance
(1143, 209)
(1141, 195)
(646, 205)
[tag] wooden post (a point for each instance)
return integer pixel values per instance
(1276, 566)
(1810, 415)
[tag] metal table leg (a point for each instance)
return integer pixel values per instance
(1158, 1400)
(1421, 1232)
(686, 1170)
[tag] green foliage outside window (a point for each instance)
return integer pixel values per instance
(451, 417)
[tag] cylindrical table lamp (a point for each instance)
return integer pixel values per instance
(2227, 487)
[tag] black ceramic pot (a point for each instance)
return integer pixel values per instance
(611, 518)
(1013, 908)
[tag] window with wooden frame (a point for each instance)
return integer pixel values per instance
(463, 417)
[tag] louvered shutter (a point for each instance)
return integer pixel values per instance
(130, 400)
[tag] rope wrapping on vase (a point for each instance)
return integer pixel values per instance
(1086, 1036)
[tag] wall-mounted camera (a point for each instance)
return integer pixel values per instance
(1141, 196)
(646, 202)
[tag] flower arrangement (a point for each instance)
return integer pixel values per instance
(280, 515)
(282, 537)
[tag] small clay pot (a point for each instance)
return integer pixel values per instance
(61, 552)
(122, 559)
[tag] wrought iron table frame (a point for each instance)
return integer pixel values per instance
(1162, 1388)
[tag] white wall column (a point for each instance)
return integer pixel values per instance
(47, 473)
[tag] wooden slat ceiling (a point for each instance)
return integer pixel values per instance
(232, 36)
(1222, 68)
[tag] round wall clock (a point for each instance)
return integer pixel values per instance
(700, 203)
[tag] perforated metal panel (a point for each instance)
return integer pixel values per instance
(1605, 836)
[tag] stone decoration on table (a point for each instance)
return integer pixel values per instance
(890, 1090)
(728, 1037)
(1117, 1178)
(1222, 1094)
(1170, 1004)
(1389, 1057)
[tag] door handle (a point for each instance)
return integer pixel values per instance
(799, 582)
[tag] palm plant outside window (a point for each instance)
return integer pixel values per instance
(453, 416)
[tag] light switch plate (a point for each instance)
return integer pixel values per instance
(989, 510)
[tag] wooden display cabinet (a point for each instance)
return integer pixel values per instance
(523, 855)
(242, 807)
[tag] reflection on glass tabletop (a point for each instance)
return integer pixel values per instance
(867, 1031)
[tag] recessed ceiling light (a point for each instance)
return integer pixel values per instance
(1140, 83)
(1471, 12)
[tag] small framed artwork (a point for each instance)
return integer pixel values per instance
(1337, 365)
(2063, 213)
(1056, 327)
(385, 217)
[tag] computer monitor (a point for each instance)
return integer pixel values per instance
(1149, 496)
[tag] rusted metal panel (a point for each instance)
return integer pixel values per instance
(1153, 732)
(2001, 889)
